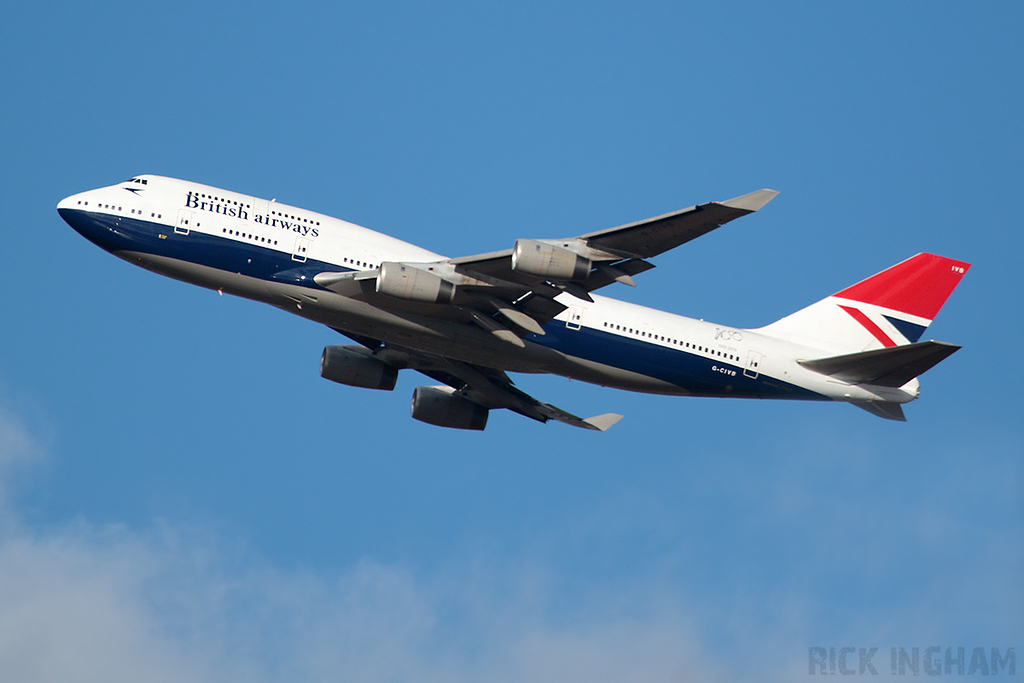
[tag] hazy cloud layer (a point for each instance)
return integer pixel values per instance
(172, 602)
(108, 605)
(111, 604)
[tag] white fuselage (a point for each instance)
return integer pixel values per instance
(268, 251)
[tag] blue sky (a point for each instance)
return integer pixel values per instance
(183, 498)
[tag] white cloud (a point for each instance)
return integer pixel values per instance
(17, 449)
(112, 605)
(109, 604)
(176, 603)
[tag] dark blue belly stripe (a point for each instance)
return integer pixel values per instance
(697, 374)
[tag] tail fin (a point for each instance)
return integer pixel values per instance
(892, 308)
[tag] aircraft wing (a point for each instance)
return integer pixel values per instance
(488, 387)
(511, 298)
(639, 240)
(659, 234)
(612, 255)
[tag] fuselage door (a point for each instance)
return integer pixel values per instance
(575, 317)
(184, 222)
(301, 248)
(753, 363)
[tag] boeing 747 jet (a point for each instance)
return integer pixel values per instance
(466, 322)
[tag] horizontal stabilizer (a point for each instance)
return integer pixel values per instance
(887, 410)
(891, 367)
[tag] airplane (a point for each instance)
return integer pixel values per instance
(467, 322)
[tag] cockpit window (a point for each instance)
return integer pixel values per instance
(142, 181)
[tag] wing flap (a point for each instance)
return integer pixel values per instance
(620, 272)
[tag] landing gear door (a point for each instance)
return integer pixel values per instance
(753, 363)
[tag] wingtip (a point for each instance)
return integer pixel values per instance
(752, 201)
(603, 422)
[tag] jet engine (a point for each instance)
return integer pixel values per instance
(548, 261)
(357, 367)
(438, 406)
(404, 281)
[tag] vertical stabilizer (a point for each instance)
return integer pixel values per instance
(892, 308)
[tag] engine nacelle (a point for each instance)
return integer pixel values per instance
(356, 367)
(438, 406)
(548, 261)
(405, 281)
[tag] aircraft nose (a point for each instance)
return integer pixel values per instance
(70, 208)
(77, 211)
(77, 202)
(67, 202)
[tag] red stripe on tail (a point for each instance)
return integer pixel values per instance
(918, 286)
(871, 327)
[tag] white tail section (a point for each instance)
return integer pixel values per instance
(892, 308)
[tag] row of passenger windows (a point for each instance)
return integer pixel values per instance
(276, 213)
(223, 201)
(295, 218)
(118, 208)
(362, 264)
(669, 340)
(254, 238)
(235, 233)
(266, 240)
